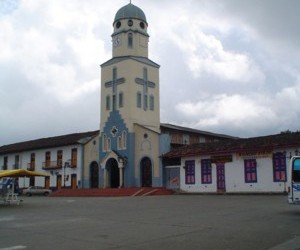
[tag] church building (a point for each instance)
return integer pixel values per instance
(130, 116)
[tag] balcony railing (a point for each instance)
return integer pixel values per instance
(16, 166)
(31, 166)
(50, 165)
(73, 164)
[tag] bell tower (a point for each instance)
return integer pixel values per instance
(129, 104)
(130, 35)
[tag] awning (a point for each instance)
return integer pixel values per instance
(20, 173)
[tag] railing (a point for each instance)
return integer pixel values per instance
(73, 164)
(16, 166)
(31, 166)
(50, 165)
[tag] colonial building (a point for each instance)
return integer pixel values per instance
(251, 165)
(72, 160)
(62, 157)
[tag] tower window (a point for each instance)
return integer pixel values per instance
(145, 102)
(130, 41)
(151, 102)
(139, 99)
(121, 100)
(142, 25)
(130, 23)
(118, 25)
(108, 102)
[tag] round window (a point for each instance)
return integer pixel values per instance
(142, 25)
(130, 23)
(118, 25)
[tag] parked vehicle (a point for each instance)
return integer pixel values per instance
(36, 191)
(294, 181)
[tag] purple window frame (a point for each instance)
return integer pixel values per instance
(279, 167)
(190, 172)
(250, 167)
(206, 177)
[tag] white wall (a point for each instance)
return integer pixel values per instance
(235, 176)
(40, 158)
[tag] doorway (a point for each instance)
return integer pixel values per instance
(94, 175)
(146, 172)
(47, 182)
(114, 174)
(73, 181)
(58, 182)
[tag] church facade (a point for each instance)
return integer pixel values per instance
(134, 149)
(130, 117)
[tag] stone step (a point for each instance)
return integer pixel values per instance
(111, 192)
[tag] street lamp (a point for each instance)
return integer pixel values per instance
(66, 165)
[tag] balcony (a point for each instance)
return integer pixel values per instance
(31, 166)
(51, 165)
(73, 165)
(16, 166)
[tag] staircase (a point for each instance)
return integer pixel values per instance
(111, 192)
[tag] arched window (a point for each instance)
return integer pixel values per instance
(104, 143)
(108, 144)
(130, 40)
(124, 139)
(119, 142)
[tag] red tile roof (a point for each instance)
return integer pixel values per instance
(167, 126)
(50, 142)
(248, 145)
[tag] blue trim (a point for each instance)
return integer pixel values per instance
(115, 119)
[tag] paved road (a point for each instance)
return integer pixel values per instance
(169, 222)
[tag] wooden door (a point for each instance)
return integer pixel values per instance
(47, 182)
(73, 181)
(221, 177)
(58, 182)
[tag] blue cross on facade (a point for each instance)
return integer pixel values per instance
(115, 81)
(146, 84)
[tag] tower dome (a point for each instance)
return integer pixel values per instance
(130, 11)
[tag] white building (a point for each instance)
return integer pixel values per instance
(62, 157)
(252, 165)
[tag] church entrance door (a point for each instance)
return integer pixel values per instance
(114, 174)
(94, 175)
(146, 171)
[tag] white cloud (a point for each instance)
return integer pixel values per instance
(198, 37)
(223, 109)
(225, 67)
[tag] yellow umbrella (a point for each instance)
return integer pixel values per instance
(11, 196)
(20, 173)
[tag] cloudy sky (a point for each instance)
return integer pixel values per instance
(230, 66)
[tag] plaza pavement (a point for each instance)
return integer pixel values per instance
(155, 222)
